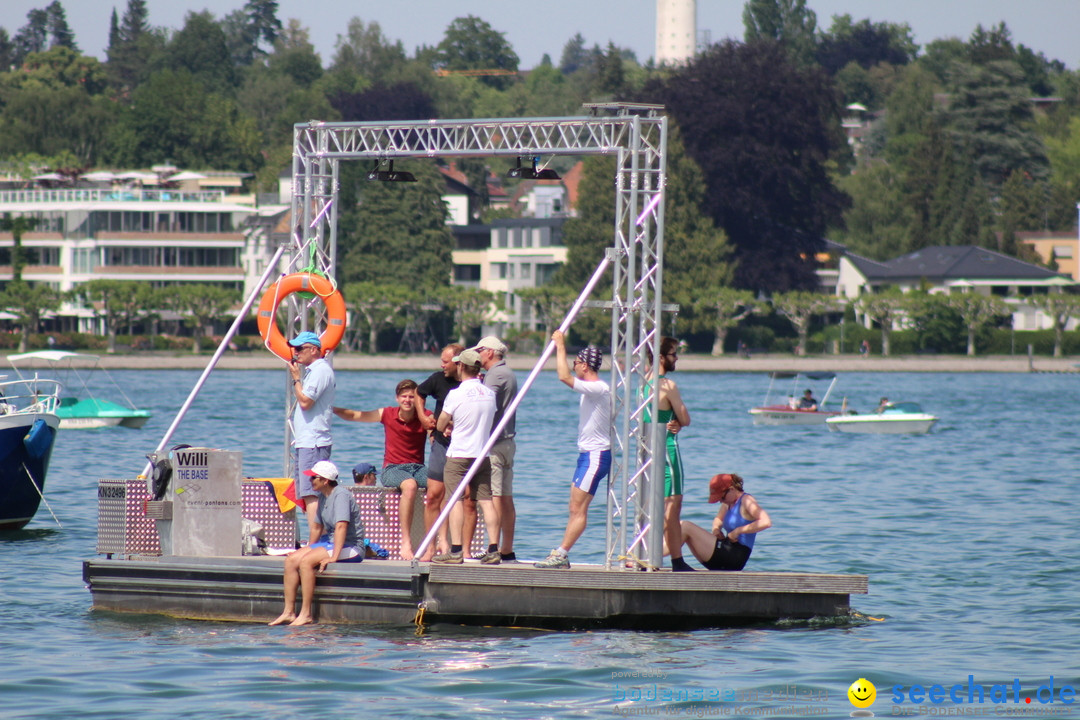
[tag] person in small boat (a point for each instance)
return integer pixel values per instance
(593, 441)
(808, 401)
(882, 405)
(403, 454)
(736, 525)
(341, 540)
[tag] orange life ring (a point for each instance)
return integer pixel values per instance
(301, 282)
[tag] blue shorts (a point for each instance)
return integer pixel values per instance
(348, 554)
(436, 463)
(305, 458)
(394, 475)
(592, 467)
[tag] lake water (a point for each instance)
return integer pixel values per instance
(968, 535)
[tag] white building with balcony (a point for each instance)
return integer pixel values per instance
(156, 235)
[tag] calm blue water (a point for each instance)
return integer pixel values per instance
(969, 536)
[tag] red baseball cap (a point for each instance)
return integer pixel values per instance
(719, 486)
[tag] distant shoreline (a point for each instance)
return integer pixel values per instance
(258, 360)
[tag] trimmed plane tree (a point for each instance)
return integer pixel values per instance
(375, 306)
(884, 308)
(799, 307)
(550, 304)
(976, 311)
(117, 303)
(1059, 307)
(724, 308)
(202, 305)
(28, 303)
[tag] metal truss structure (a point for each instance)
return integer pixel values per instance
(637, 136)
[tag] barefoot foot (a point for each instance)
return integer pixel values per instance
(286, 617)
(302, 620)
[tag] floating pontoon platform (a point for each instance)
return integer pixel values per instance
(512, 594)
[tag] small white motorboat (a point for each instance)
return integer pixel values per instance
(789, 412)
(89, 412)
(902, 417)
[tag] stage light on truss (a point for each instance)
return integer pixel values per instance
(531, 173)
(389, 174)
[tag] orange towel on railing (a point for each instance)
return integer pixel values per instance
(284, 490)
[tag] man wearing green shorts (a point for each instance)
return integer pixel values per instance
(674, 414)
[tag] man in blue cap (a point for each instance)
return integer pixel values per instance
(311, 418)
(363, 474)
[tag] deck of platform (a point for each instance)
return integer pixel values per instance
(514, 594)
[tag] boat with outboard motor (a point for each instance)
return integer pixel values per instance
(28, 426)
(894, 418)
(789, 412)
(88, 412)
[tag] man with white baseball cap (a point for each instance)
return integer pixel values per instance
(340, 539)
(470, 408)
(499, 377)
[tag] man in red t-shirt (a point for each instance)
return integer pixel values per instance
(403, 455)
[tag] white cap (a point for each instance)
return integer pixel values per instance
(324, 469)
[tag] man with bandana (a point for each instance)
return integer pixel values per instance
(594, 441)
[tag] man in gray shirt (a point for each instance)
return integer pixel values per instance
(499, 377)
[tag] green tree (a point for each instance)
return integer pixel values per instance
(725, 308)
(469, 43)
(975, 311)
(799, 307)
(990, 115)
(132, 48)
(366, 52)
(1058, 307)
(117, 303)
(173, 119)
(395, 232)
(550, 304)
(202, 305)
(17, 226)
(201, 48)
(879, 222)
(884, 308)
(32, 37)
(50, 107)
(375, 307)
(28, 303)
(471, 308)
(574, 55)
(696, 252)
(865, 43)
(789, 21)
(767, 174)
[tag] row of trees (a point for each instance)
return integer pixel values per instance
(759, 169)
(120, 304)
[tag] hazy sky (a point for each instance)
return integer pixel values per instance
(535, 27)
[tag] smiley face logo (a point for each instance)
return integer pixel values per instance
(862, 693)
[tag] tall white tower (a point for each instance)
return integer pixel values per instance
(676, 31)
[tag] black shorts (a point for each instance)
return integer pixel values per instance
(728, 556)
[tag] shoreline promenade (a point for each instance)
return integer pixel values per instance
(257, 360)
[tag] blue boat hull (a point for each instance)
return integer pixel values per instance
(24, 461)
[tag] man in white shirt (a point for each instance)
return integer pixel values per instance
(311, 418)
(594, 442)
(469, 409)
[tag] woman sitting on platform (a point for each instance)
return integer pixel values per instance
(737, 523)
(343, 541)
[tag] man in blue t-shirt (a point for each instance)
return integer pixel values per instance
(314, 395)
